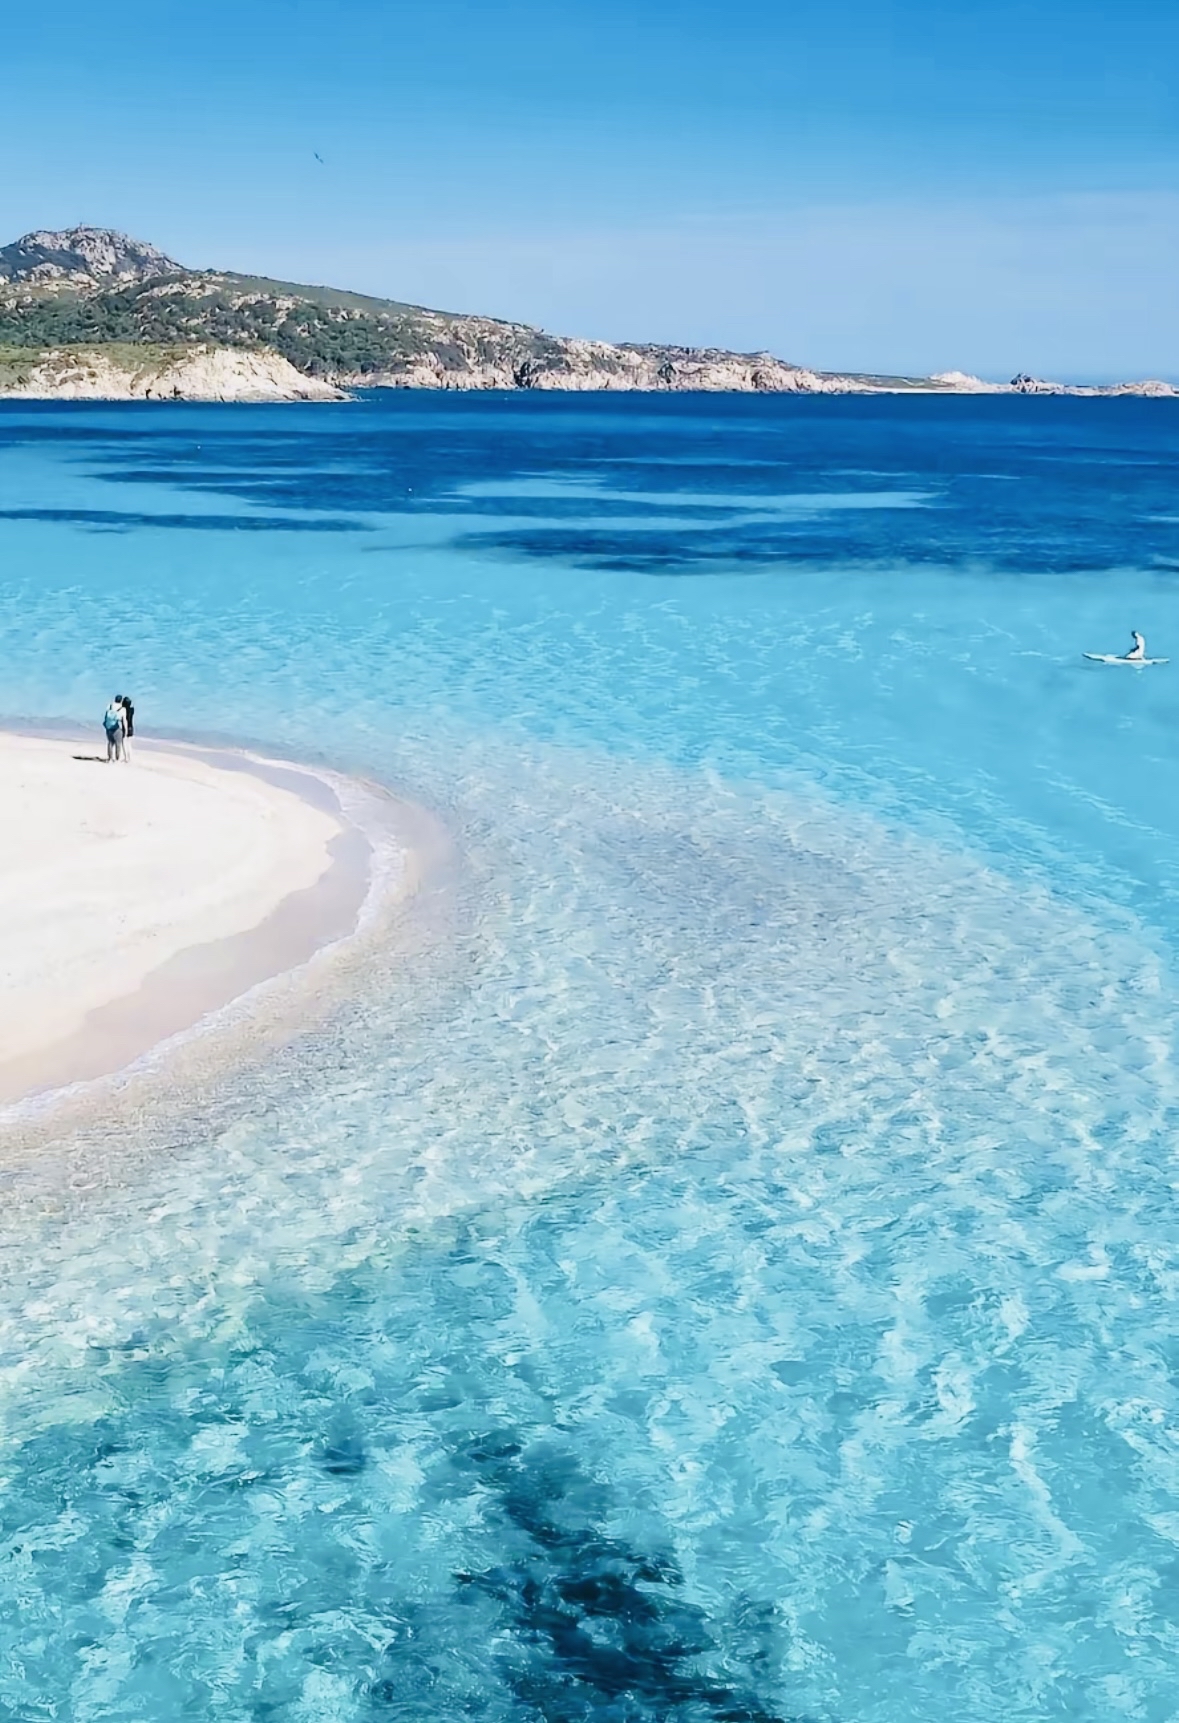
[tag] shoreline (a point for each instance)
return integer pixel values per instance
(169, 391)
(346, 854)
(112, 373)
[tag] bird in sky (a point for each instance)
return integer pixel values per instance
(319, 158)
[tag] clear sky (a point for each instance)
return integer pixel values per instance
(910, 186)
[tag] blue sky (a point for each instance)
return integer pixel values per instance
(911, 186)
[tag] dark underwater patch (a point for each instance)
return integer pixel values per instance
(598, 1627)
(1020, 485)
(112, 520)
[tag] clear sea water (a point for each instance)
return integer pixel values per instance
(734, 1275)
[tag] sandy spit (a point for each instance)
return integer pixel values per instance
(137, 900)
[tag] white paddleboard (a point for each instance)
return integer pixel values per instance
(1116, 658)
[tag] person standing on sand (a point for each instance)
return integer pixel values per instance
(125, 701)
(114, 722)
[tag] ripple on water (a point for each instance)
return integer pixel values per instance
(732, 1284)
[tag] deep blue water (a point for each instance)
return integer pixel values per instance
(732, 1276)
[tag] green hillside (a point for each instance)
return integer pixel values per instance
(323, 332)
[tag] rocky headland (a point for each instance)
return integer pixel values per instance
(87, 313)
(123, 373)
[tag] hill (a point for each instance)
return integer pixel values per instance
(84, 257)
(89, 289)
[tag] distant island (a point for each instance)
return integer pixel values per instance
(89, 313)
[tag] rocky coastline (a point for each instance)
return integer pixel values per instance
(89, 314)
(199, 374)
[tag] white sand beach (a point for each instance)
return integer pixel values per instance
(136, 898)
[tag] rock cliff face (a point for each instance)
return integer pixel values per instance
(201, 374)
(78, 306)
(499, 358)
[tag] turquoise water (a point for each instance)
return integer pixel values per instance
(731, 1276)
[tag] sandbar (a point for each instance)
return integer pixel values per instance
(137, 898)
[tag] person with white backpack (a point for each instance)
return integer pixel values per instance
(114, 722)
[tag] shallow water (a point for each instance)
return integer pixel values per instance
(735, 1278)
